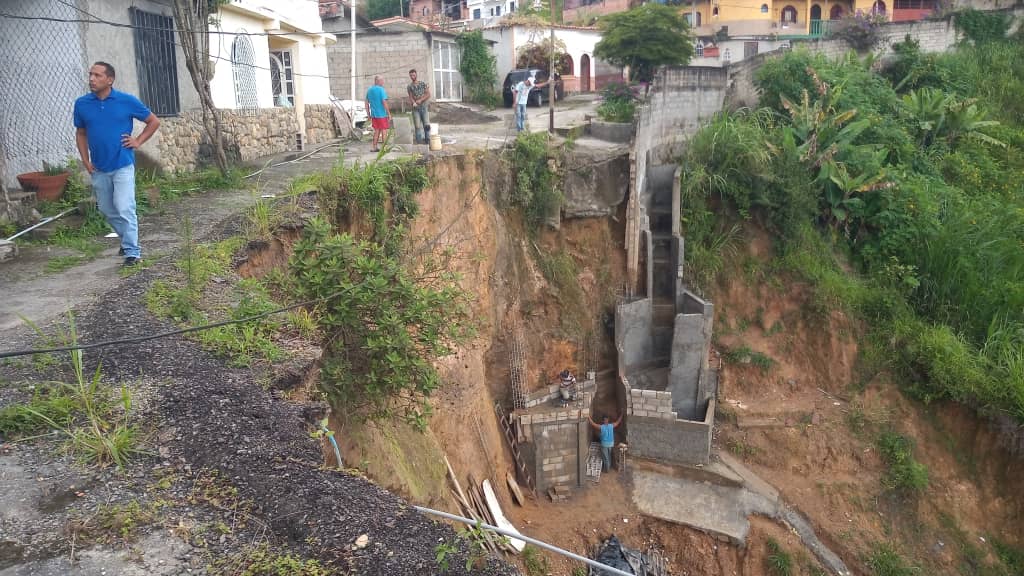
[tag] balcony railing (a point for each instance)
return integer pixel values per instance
(821, 28)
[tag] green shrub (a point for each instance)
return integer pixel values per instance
(616, 111)
(981, 27)
(536, 192)
(905, 474)
(478, 67)
(884, 560)
(778, 562)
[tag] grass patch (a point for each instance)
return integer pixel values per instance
(778, 562)
(905, 474)
(534, 561)
(740, 448)
(48, 405)
(560, 270)
(745, 355)
(884, 560)
(262, 561)
(1011, 557)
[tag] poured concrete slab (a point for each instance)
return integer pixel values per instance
(718, 510)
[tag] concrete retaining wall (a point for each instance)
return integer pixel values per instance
(633, 338)
(683, 442)
(594, 187)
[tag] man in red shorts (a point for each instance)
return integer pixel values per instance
(380, 114)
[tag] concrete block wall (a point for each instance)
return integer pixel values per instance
(527, 421)
(390, 55)
(561, 444)
(651, 404)
(674, 441)
(550, 392)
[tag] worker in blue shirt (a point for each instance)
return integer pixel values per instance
(607, 430)
(104, 119)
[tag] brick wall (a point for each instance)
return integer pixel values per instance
(183, 145)
(390, 55)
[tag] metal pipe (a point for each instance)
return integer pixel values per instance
(607, 569)
(46, 220)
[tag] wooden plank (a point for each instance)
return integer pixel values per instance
(499, 517)
(455, 481)
(513, 487)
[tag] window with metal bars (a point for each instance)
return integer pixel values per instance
(156, 62)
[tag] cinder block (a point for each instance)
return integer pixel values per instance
(641, 413)
(649, 393)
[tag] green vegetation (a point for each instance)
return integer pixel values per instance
(385, 314)
(95, 423)
(49, 404)
(262, 561)
(617, 103)
(779, 562)
(905, 474)
(884, 560)
(478, 67)
(911, 177)
(744, 355)
(536, 184)
(535, 562)
(644, 38)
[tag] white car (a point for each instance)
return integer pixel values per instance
(355, 109)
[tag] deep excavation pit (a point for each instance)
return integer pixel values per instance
(710, 497)
(545, 302)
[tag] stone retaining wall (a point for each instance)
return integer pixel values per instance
(183, 146)
(319, 124)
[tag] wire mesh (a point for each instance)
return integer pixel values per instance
(44, 70)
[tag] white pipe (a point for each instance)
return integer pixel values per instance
(518, 536)
(46, 220)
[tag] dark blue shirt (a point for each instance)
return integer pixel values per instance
(105, 122)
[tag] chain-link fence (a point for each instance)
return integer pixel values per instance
(42, 72)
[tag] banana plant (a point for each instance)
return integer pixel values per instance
(844, 191)
(938, 116)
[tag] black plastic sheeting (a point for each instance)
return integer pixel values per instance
(612, 553)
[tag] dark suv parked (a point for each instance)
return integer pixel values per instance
(537, 96)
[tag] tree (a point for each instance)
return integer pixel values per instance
(378, 9)
(478, 66)
(538, 55)
(644, 38)
(194, 35)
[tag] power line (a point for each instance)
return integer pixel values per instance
(207, 54)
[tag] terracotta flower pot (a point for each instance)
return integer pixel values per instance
(47, 188)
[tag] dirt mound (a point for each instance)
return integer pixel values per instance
(447, 113)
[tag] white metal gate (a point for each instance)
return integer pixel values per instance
(447, 79)
(242, 67)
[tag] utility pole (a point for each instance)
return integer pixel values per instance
(551, 75)
(352, 18)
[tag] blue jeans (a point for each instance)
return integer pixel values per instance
(520, 117)
(115, 194)
(606, 455)
(421, 120)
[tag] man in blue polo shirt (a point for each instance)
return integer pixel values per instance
(104, 122)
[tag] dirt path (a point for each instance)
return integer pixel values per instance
(202, 420)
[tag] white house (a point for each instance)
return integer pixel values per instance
(585, 73)
(270, 53)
